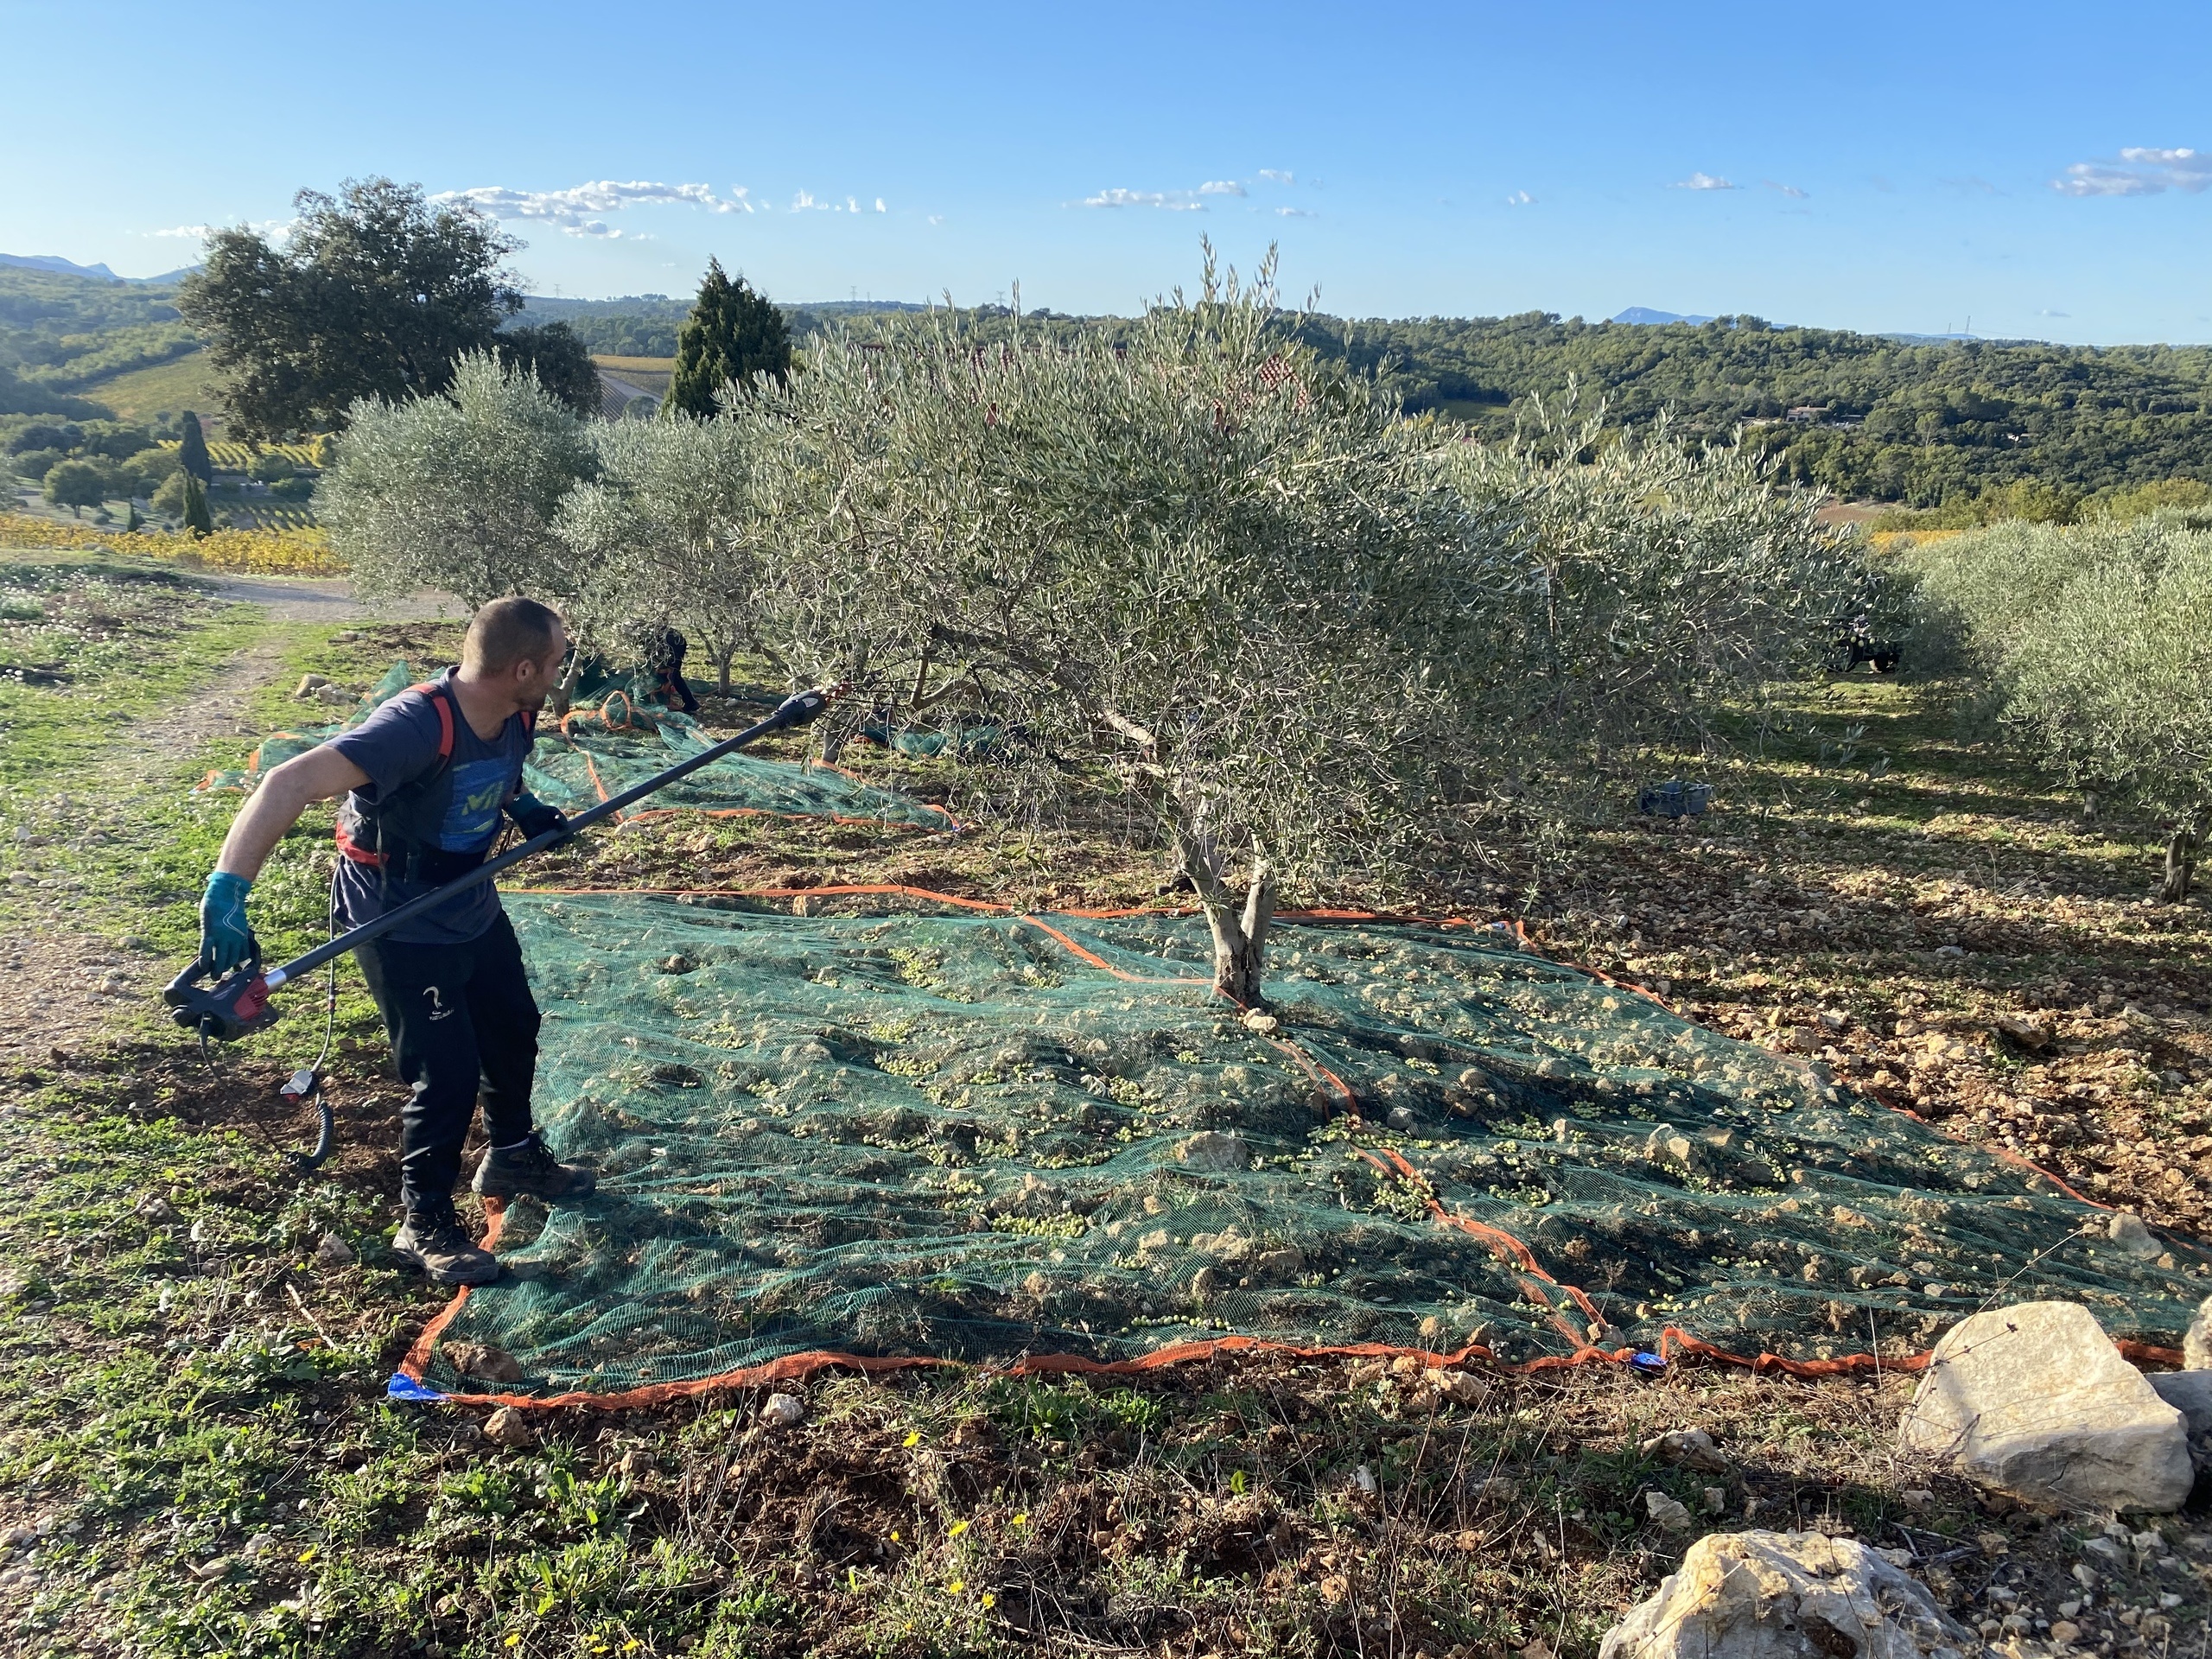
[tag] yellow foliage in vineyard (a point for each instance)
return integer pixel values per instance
(258, 552)
(237, 457)
(1886, 540)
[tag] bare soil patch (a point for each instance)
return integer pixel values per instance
(329, 599)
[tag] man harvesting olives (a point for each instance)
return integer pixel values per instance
(427, 779)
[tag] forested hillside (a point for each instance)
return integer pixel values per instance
(645, 325)
(59, 333)
(1922, 423)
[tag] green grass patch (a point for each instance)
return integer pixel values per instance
(87, 645)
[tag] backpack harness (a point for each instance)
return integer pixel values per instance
(362, 838)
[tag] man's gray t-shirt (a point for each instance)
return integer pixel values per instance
(397, 745)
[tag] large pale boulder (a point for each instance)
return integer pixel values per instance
(2035, 1400)
(1787, 1595)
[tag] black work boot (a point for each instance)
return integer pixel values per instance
(512, 1171)
(435, 1240)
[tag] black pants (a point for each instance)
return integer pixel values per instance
(464, 1029)
(673, 647)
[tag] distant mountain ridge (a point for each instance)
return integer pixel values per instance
(1645, 316)
(54, 261)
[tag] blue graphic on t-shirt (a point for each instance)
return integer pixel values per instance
(472, 818)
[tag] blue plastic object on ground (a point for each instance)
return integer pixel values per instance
(1674, 799)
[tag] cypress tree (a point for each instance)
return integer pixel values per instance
(731, 334)
(197, 518)
(191, 454)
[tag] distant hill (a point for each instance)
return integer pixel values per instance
(68, 268)
(1939, 340)
(62, 330)
(185, 382)
(1644, 316)
(645, 325)
(55, 261)
(854, 308)
(1869, 417)
(1928, 420)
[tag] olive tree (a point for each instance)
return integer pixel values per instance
(1200, 556)
(2098, 639)
(458, 491)
(685, 524)
(1646, 582)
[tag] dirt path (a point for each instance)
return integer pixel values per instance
(57, 984)
(217, 709)
(329, 599)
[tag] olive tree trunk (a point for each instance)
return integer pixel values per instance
(2182, 848)
(565, 692)
(1240, 933)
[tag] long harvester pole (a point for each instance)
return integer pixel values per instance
(239, 1004)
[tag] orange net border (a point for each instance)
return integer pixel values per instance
(1674, 1343)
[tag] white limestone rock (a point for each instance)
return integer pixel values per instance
(2126, 1229)
(1214, 1151)
(2197, 1344)
(1787, 1595)
(509, 1428)
(2034, 1400)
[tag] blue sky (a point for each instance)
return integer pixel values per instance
(2041, 170)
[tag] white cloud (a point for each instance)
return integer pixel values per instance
(1221, 187)
(1790, 190)
(1277, 175)
(806, 201)
(275, 229)
(2054, 314)
(572, 210)
(1296, 213)
(937, 218)
(1702, 182)
(1520, 198)
(2141, 171)
(1173, 201)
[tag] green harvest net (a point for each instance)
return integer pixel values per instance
(601, 749)
(988, 1135)
(596, 753)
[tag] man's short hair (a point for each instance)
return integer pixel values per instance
(506, 631)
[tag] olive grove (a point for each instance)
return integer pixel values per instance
(1308, 642)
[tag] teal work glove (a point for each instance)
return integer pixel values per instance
(225, 940)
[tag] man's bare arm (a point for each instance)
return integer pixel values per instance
(320, 774)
